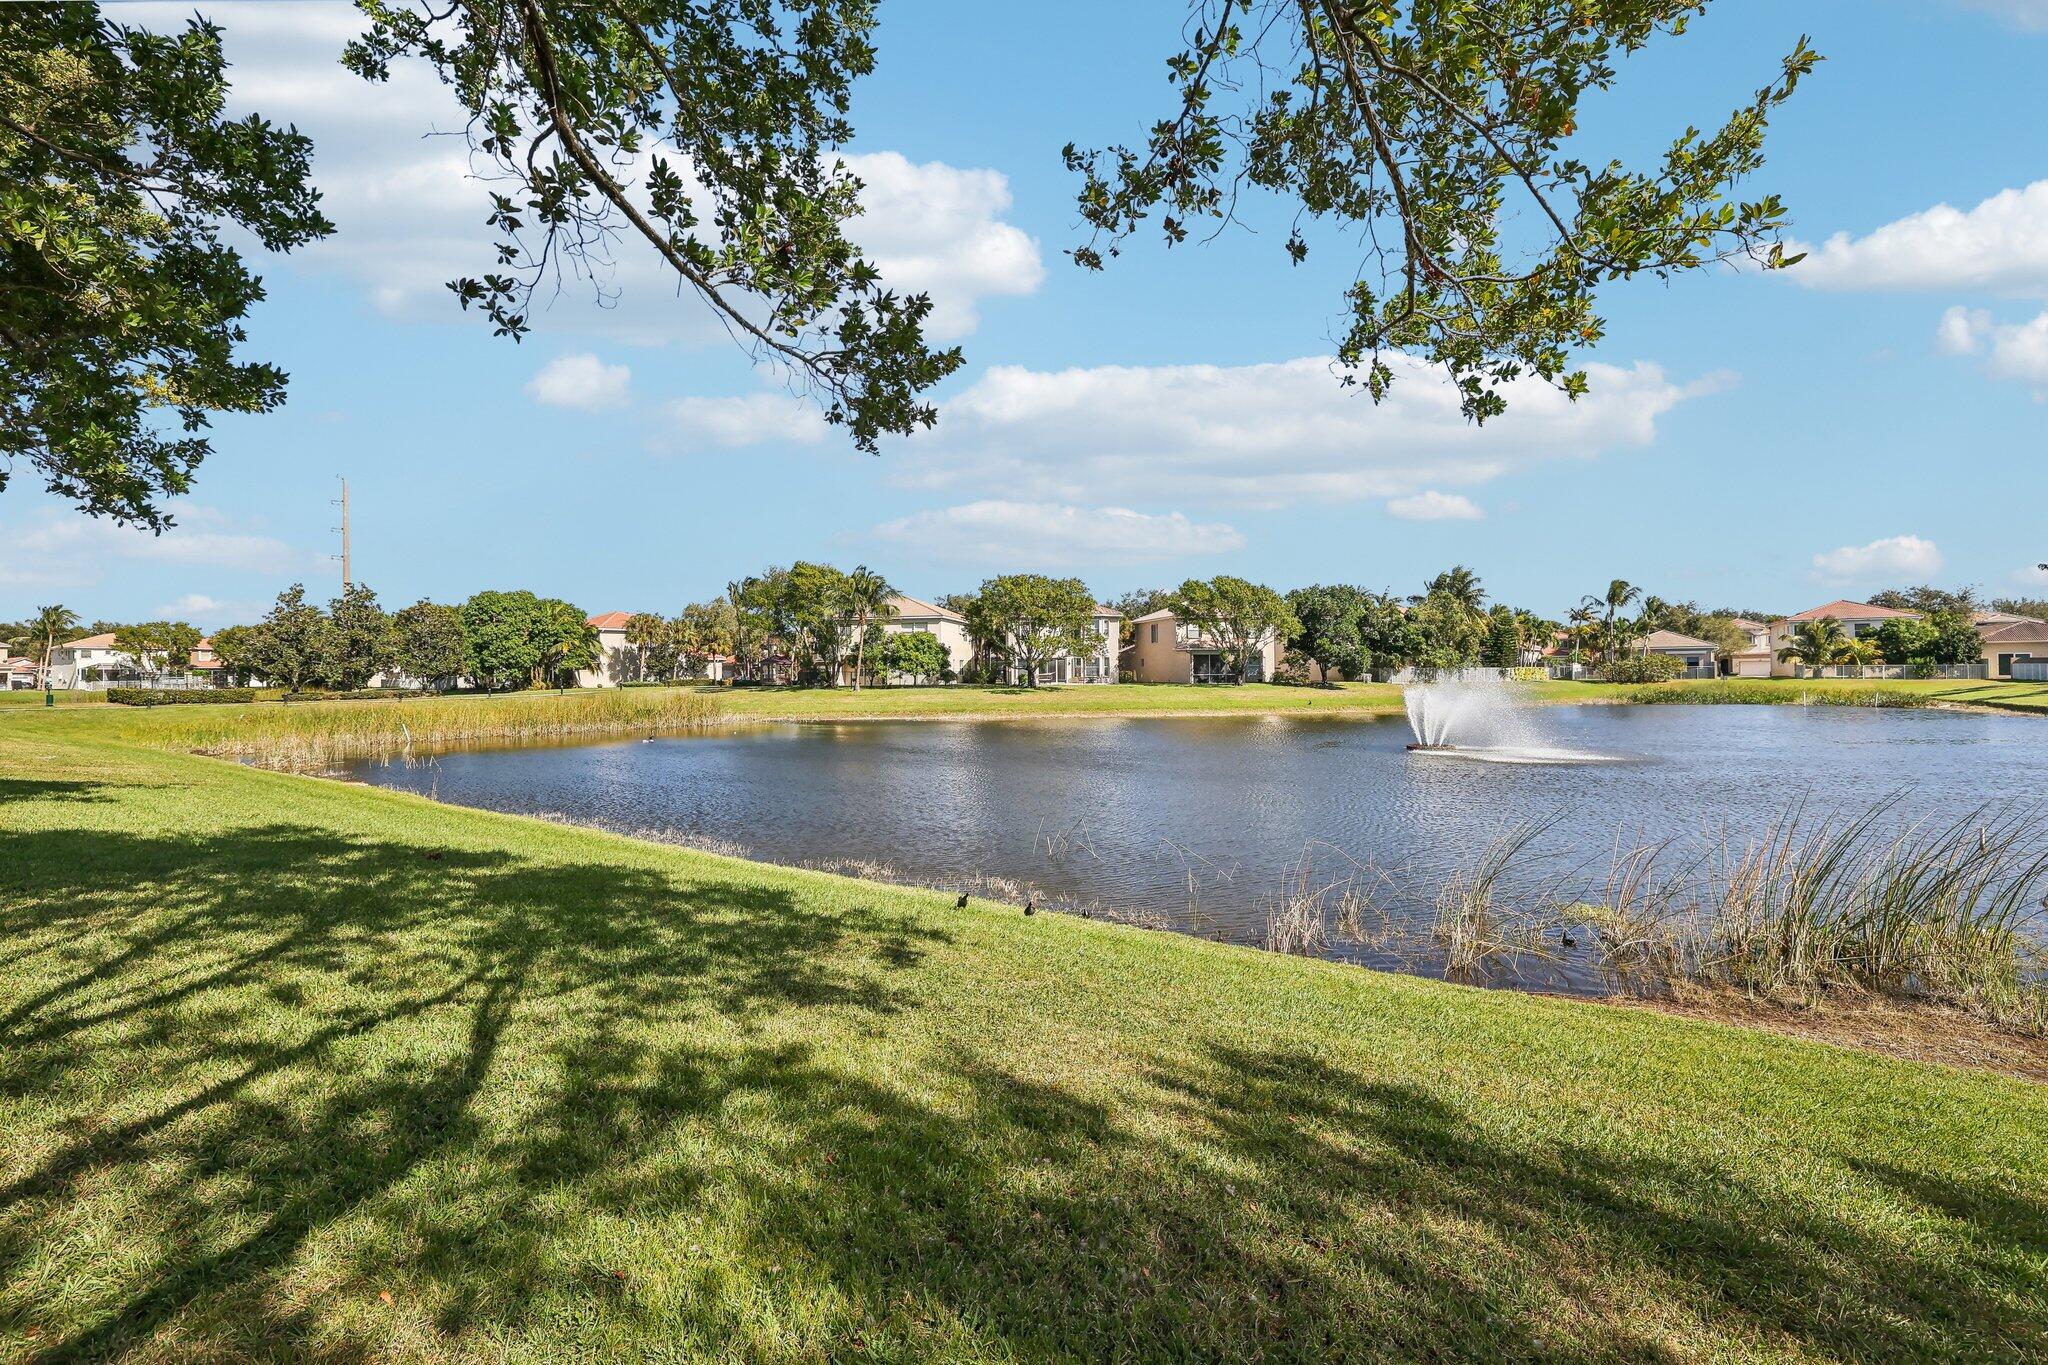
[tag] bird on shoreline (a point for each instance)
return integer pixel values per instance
(961, 904)
(1031, 906)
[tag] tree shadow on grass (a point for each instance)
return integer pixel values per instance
(568, 1107)
(49, 789)
(285, 1011)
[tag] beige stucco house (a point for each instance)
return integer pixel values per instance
(1097, 666)
(1858, 619)
(1697, 655)
(1754, 659)
(913, 614)
(1163, 650)
(617, 661)
(2010, 642)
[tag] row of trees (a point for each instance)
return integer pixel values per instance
(813, 623)
(499, 640)
(1349, 631)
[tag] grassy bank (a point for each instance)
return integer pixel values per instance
(1131, 699)
(24, 697)
(297, 1068)
(1096, 699)
(1900, 692)
(308, 734)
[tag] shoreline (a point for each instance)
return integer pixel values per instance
(1897, 1026)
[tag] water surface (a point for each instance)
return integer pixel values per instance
(1203, 824)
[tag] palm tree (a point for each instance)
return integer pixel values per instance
(867, 599)
(572, 643)
(50, 625)
(1462, 586)
(1815, 643)
(1583, 619)
(1620, 593)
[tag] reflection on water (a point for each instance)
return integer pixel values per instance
(1203, 824)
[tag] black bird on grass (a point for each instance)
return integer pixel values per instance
(1031, 906)
(961, 904)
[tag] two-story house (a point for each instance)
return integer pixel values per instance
(1164, 649)
(1098, 665)
(1857, 618)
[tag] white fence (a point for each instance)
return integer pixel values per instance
(1961, 672)
(2030, 670)
(156, 683)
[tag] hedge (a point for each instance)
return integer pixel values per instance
(153, 696)
(355, 694)
(1643, 668)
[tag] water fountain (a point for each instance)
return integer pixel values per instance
(1485, 717)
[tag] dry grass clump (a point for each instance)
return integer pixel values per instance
(317, 734)
(1949, 913)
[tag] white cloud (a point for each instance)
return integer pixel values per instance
(1892, 557)
(1054, 535)
(1961, 331)
(2027, 14)
(210, 613)
(191, 604)
(580, 381)
(1435, 506)
(409, 212)
(69, 550)
(2032, 576)
(753, 420)
(2009, 351)
(936, 229)
(1262, 436)
(2000, 246)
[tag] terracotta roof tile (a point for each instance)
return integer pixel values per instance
(1671, 639)
(1843, 610)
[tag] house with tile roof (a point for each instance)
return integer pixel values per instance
(1857, 620)
(95, 661)
(617, 659)
(1700, 657)
(912, 614)
(1755, 659)
(1097, 666)
(2008, 643)
(1163, 648)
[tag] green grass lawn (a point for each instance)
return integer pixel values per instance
(25, 697)
(294, 1068)
(1361, 698)
(1084, 699)
(2004, 696)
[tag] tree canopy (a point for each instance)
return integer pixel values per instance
(1429, 131)
(1036, 619)
(119, 305)
(706, 134)
(1238, 614)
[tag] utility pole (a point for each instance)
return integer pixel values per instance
(342, 503)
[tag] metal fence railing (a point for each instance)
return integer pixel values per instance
(1957, 672)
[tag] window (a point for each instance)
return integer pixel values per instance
(1155, 632)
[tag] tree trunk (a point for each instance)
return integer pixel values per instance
(860, 650)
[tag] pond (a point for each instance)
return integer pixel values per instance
(1205, 825)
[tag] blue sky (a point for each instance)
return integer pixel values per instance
(1875, 417)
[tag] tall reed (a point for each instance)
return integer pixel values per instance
(1748, 692)
(315, 734)
(1951, 913)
